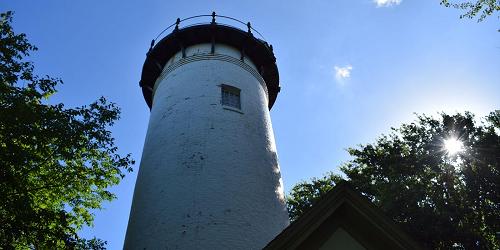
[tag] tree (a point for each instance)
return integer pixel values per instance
(56, 163)
(483, 8)
(438, 178)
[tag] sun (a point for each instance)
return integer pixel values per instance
(453, 145)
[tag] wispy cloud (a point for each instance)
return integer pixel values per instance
(342, 73)
(386, 3)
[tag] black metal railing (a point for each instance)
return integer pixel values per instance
(175, 26)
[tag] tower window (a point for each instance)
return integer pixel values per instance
(230, 96)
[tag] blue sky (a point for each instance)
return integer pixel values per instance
(349, 70)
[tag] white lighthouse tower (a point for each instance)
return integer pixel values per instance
(209, 176)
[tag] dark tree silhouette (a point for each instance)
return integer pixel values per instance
(447, 197)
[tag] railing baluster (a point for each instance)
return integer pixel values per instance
(213, 22)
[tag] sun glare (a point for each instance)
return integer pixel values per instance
(453, 145)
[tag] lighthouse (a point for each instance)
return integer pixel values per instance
(209, 176)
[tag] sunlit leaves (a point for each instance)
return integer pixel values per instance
(56, 163)
(305, 194)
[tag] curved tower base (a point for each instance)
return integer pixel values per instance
(209, 176)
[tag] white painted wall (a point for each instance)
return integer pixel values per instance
(209, 177)
(341, 239)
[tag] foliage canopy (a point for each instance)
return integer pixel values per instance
(481, 8)
(445, 200)
(56, 163)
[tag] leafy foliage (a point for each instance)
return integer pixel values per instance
(447, 201)
(56, 163)
(303, 195)
(483, 8)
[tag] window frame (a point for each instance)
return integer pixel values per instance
(230, 90)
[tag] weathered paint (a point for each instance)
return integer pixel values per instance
(209, 176)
